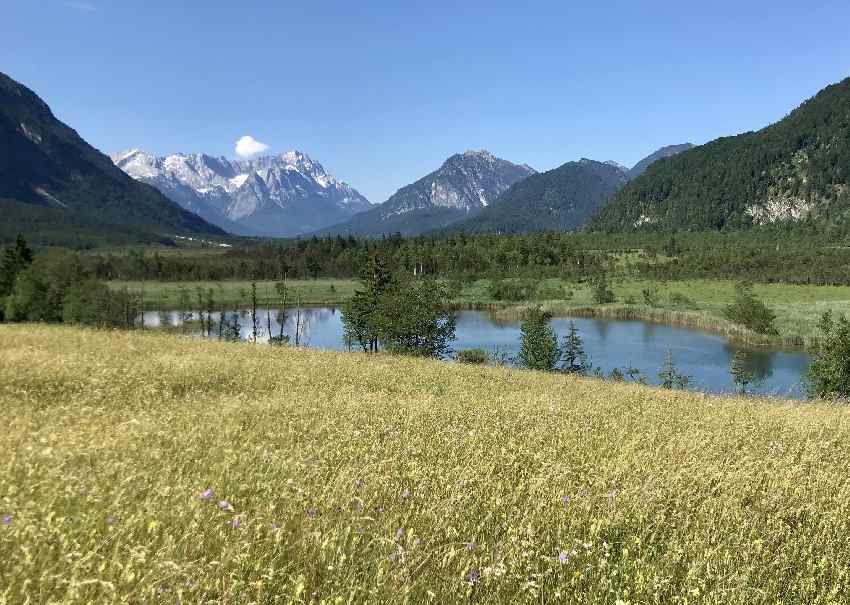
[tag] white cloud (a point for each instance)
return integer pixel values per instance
(86, 7)
(248, 146)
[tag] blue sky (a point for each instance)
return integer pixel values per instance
(382, 92)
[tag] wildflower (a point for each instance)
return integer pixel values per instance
(565, 500)
(470, 546)
(473, 576)
(611, 494)
(417, 542)
(7, 519)
(235, 523)
(358, 506)
(275, 526)
(359, 530)
(393, 556)
(207, 494)
(312, 513)
(224, 505)
(406, 494)
(110, 520)
(399, 533)
(359, 483)
(563, 556)
(379, 509)
(188, 584)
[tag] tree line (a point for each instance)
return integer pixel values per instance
(775, 254)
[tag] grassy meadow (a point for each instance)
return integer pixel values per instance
(142, 467)
(695, 303)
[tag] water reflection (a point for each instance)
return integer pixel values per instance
(610, 344)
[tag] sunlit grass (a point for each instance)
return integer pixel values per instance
(343, 478)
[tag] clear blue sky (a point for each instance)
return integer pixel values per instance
(382, 92)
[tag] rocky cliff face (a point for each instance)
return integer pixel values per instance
(282, 195)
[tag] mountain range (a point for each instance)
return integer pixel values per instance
(279, 196)
(465, 184)
(56, 187)
(797, 169)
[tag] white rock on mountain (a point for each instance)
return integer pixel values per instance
(282, 195)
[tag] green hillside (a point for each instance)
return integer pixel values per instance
(796, 169)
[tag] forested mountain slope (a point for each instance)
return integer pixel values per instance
(796, 169)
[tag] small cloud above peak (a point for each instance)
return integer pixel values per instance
(248, 146)
(81, 5)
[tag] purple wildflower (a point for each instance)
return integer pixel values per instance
(406, 494)
(207, 494)
(473, 576)
(7, 519)
(275, 526)
(224, 505)
(235, 523)
(312, 513)
(470, 546)
(565, 500)
(563, 556)
(359, 530)
(612, 493)
(417, 542)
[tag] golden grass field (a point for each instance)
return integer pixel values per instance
(148, 468)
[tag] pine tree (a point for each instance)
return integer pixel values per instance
(572, 348)
(539, 343)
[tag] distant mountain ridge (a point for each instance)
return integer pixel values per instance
(561, 199)
(663, 153)
(55, 187)
(279, 196)
(462, 186)
(794, 170)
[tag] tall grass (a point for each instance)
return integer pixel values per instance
(151, 468)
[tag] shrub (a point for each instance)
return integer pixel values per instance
(513, 290)
(553, 292)
(92, 303)
(473, 356)
(680, 300)
(748, 311)
(602, 294)
(828, 375)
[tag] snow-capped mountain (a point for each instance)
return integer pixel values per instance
(281, 195)
(460, 188)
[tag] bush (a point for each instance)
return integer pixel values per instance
(682, 301)
(553, 292)
(92, 303)
(473, 356)
(512, 290)
(828, 375)
(602, 294)
(748, 311)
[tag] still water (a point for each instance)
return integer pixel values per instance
(609, 344)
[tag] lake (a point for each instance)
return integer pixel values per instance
(609, 344)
